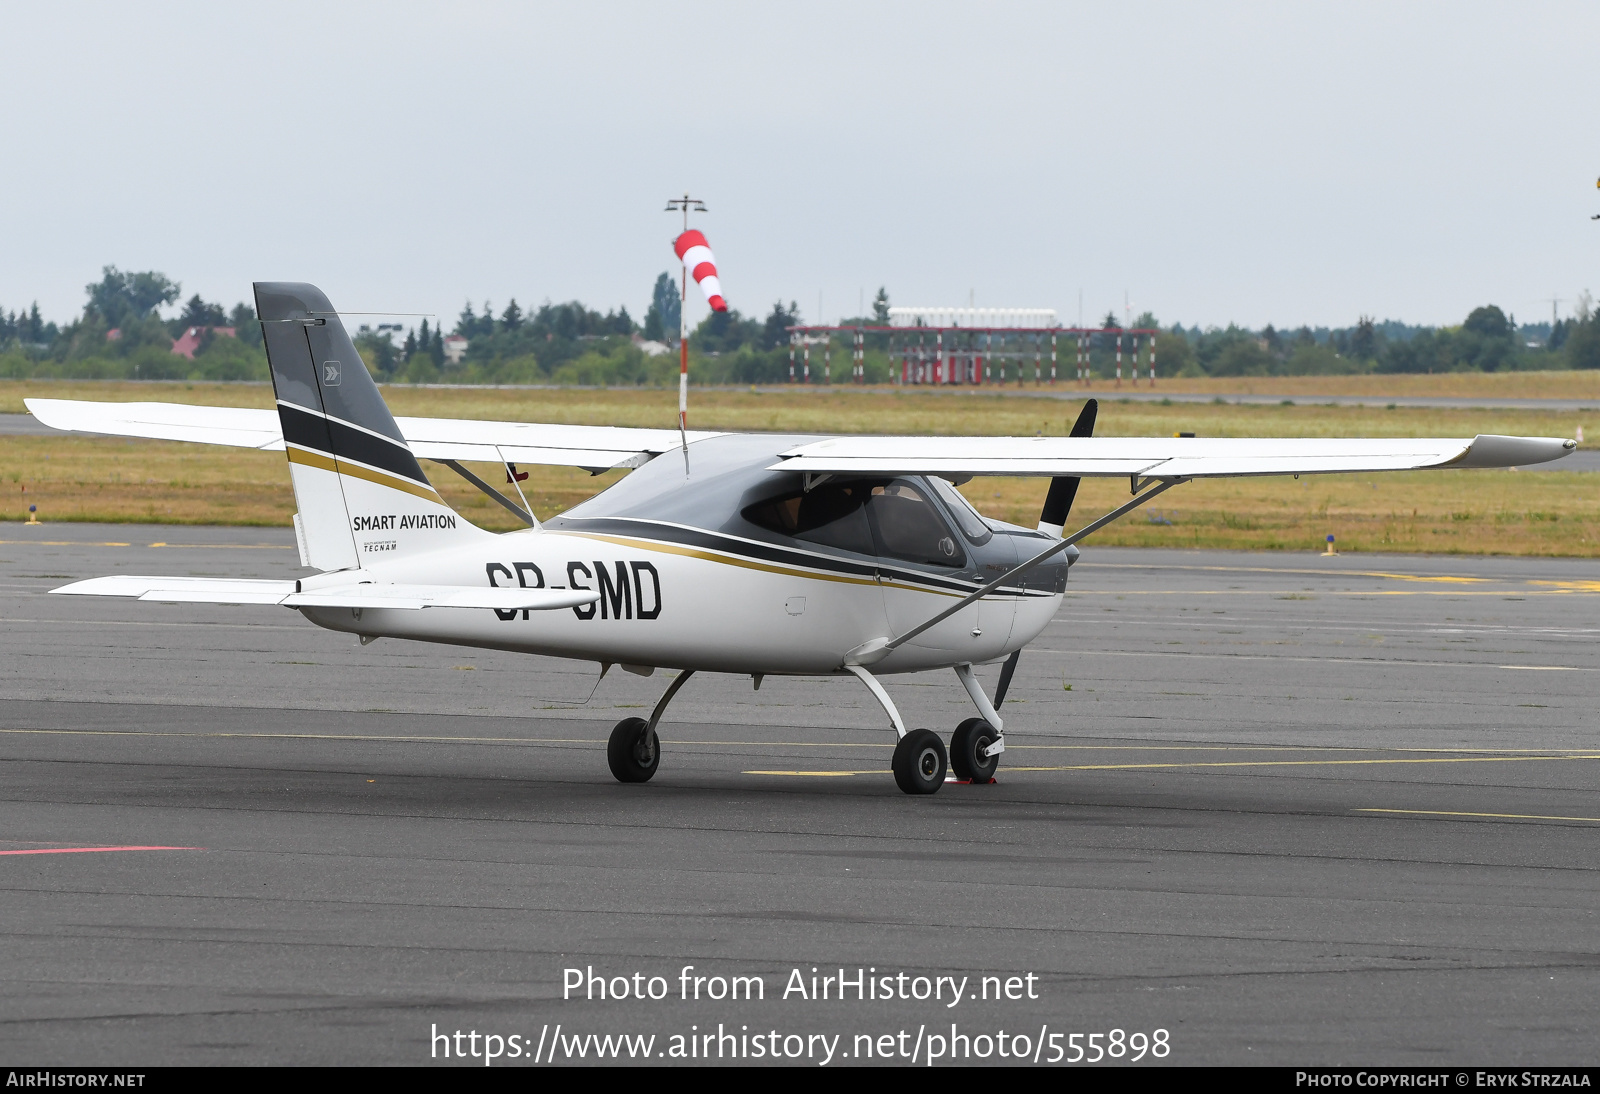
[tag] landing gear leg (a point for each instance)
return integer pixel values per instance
(920, 759)
(883, 699)
(634, 750)
(977, 743)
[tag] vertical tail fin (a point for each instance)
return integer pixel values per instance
(361, 493)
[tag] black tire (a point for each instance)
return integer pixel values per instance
(966, 751)
(919, 762)
(633, 751)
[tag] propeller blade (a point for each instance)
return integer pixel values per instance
(1064, 488)
(1005, 678)
(1084, 426)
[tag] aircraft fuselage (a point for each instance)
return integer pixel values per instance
(694, 572)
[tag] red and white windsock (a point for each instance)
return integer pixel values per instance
(692, 248)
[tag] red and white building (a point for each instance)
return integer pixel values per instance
(973, 346)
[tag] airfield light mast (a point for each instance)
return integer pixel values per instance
(687, 204)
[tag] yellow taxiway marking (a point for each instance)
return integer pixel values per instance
(1522, 755)
(1473, 754)
(229, 546)
(308, 736)
(1536, 752)
(1318, 573)
(1246, 763)
(818, 774)
(429, 739)
(1491, 816)
(425, 739)
(196, 546)
(1311, 763)
(1509, 591)
(1379, 662)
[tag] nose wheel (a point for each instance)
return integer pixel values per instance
(919, 762)
(968, 747)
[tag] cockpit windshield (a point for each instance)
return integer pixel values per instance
(973, 526)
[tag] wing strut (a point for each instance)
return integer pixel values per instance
(516, 481)
(871, 652)
(496, 495)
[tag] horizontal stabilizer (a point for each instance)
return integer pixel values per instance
(206, 590)
(232, 426)
(441, 596)
(199, 590)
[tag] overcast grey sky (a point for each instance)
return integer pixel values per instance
(1291, 163)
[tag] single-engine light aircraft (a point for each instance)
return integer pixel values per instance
(758, 554)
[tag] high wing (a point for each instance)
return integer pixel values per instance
(204, 590)
(594, 447)
(1158, 457)
(598, 447)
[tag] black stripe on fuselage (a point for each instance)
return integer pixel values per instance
(764, 552)
(309, 430)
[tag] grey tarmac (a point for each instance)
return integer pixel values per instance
(25, 425)
(1292, 809)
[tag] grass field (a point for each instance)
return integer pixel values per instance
(1529, 513)
(1455, 385)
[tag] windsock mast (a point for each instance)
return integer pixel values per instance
(695, 254)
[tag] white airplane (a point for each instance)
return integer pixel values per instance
(758, 554)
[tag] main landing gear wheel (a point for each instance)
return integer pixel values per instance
(967, 757)
(920, 762)
(633, 751)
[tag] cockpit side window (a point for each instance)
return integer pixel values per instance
(831, 515)
(909, 526)
(897, 519)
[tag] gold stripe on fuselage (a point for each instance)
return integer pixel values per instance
(766, 567)
(310, 458)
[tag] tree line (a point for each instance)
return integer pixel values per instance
(120, 334)
(1487, 340)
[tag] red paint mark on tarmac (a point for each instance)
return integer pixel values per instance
(85, 850)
